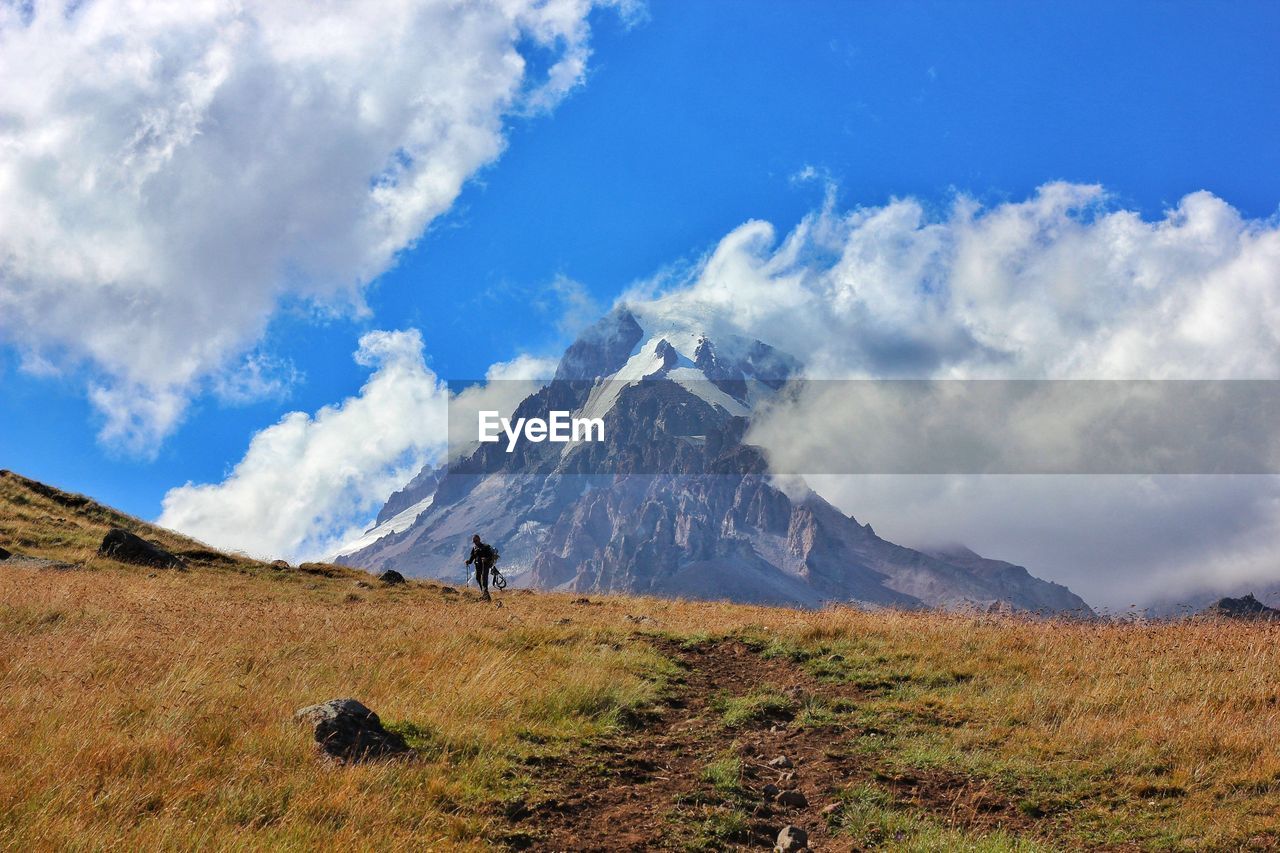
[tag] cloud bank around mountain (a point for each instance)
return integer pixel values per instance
(1062, 285)
(172, 170)
(1115, 540)
(1065, 284)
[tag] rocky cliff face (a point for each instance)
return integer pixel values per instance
(672, 502)
(1247, 608)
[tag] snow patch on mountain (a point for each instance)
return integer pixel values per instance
(695, 382)
(398, 523)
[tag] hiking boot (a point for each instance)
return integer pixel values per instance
(485, 596)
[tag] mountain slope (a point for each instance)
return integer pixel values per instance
(671, 502)
(45, 522)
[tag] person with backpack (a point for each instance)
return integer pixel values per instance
(483, 556)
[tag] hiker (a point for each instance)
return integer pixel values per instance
(484, 557)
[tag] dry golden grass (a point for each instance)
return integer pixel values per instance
(153, 711)
(144, 709)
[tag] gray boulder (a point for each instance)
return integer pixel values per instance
(791, 839)
(391, 577)
(124, 546)
(21, 561)
(348, 732)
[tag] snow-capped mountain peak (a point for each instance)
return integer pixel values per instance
(670, 501)
(731, 372)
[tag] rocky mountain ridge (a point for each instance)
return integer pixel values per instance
(672, 502)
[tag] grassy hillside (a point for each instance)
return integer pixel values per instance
(38, 520)
(144, 708)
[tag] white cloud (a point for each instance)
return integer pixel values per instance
(1062, 285)
(259, 376)
(805, 174)
(173, 168)
(506, 384)
(522, 368)
(308, 483)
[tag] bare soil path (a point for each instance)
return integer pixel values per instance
(649, 788)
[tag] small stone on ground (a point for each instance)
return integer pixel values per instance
(793, 799)
(791, 839)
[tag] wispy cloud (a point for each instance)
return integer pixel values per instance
(259, 376)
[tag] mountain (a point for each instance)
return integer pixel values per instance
(1205, 598)
(1045, 595)
(672, 502)
(1247, 608)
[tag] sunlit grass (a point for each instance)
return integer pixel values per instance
(146, 709)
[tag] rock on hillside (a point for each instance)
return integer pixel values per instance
(349, 732)
(124, 546)
(1245, 608)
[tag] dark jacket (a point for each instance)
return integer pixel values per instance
(481, 555)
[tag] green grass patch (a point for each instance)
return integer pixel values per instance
(871, 819)
(725, 773)
(714, 828)
(758, 706)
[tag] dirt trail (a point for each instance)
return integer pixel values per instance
(645, 789)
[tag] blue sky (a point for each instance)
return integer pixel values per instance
(695, 119)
